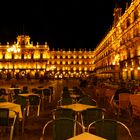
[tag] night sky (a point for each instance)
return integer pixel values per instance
(62, 24)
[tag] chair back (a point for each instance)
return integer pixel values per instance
(110, 129)
(62, 129)
(51, 89)
(34, 100)
(22, 101)
(87, 100)
(6, 121)
(34, 90)
(25, 89)
(109, 94)
(4, 117)
(65, 101)
(3, 99)
(124, 100)
(46, 92)
(63, 113)
(3, 91)
(135, 105)
(17, 91)
(92, 114)
(38, 92)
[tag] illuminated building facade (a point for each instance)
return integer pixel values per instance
(23, 59)
(118, 54)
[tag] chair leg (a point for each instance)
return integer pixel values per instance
(22, 127)
(28, 108)
(38, 110)
(23, 120)
(11, 133)
(50, 99)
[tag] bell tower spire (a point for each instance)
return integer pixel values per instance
(117, 12)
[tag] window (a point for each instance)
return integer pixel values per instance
(136, 15)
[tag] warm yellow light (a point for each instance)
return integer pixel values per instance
(113, 63)
(52, 67)
(14, 49)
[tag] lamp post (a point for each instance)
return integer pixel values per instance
(14, 49)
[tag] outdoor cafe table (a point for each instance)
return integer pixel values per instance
(26, 95)
(86, 136)
(11, 92)
(77, 107)
(13, 107)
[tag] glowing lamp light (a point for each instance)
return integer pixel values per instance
(125, 69)
(113, 63)
(14, 49)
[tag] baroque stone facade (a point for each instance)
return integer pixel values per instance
(24, 59)
(118, 54)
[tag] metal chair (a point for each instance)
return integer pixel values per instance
(64, 101)
(63, 112)
(61, 129)
(6, 121)
(3, 100)
(52, 92)
(3, 95)
(110, 129)
(25, 89)
(124, 103)
(34, 101)
(3, 91)
(47, 94)
(34, 90)
(15, 94)
(90, 115)
(135, 107)
(87, 100)
(24, 105)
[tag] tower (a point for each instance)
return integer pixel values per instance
(117, 12)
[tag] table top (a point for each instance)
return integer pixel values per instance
(71, 89)
(77, 107)
(13, 107)
(14, 88)
(86, 136)
(41, 88)
(74, 96)
(28, 94)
